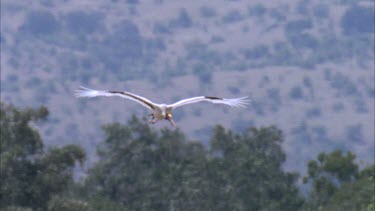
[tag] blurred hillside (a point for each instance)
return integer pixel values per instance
(308, 66)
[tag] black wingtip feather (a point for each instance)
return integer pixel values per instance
(213, 98)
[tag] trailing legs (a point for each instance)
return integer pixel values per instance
(153, 120)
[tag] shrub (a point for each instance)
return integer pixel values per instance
(357, 20)
(40, 22)
(207, 12)
(83, 22)
(232, 16)
(296, 93)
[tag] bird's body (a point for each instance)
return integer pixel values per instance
(160, 111)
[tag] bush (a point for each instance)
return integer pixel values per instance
(132, 1)
(358, 20)
(12, 78)
(344, 85)
(40, 22)
(234, 90)
(83, 22)
(282, 54)
(123, 47)
(207, 12)
(203, 72)
(183, 20)
(303, 40)
(354, 133)
(337, 107)
(313, 112)
(298, 26)
(161, 29)
(232, 16)
(278, 15)
(274, 95)
(257, 10)
(296, 93)
(321, 11)
(307, 82)
(217, 39)
(257, 52)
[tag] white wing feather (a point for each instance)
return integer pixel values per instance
(89, 93)
(234, 102)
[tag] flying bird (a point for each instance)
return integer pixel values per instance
(160, 111)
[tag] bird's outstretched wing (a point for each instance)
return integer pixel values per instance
(86, 92)
(235, 102)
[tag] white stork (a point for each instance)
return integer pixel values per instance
(161, 111)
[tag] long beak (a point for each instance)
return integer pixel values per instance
(172, 122)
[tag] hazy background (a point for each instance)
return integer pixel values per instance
(308, 67)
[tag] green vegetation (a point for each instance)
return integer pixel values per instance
(140, 168)
(338, 185)
(30, 174)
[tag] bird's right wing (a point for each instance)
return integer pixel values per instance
(85, 92)
(234, 102)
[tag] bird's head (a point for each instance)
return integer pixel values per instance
(169, 118)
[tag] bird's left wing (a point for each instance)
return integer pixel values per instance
(85, 92)
(234, 102)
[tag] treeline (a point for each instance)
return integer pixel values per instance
(140, 168)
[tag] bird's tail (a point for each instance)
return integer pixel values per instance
(238, 102)
(86, 92)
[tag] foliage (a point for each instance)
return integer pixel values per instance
(296, 93)
(232, 16)
(321, 11)
(334, 177)
(257, 52)
(359, 195)
(357, 20)
(203, 72)
(245, 171)
(207, 12)
(30, 176)
(182, 21)
(257, 10)
(40, 23)
(355, 133)
(125, 42)
(83, 22)
(298, 26)
(140, 168)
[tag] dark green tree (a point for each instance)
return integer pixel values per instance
(29, 175)
(143, 169)
(245, 171)
(357, 195)
(327, 174)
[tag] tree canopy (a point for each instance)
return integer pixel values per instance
(30, 175)
(337, 184)
(141, 168)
